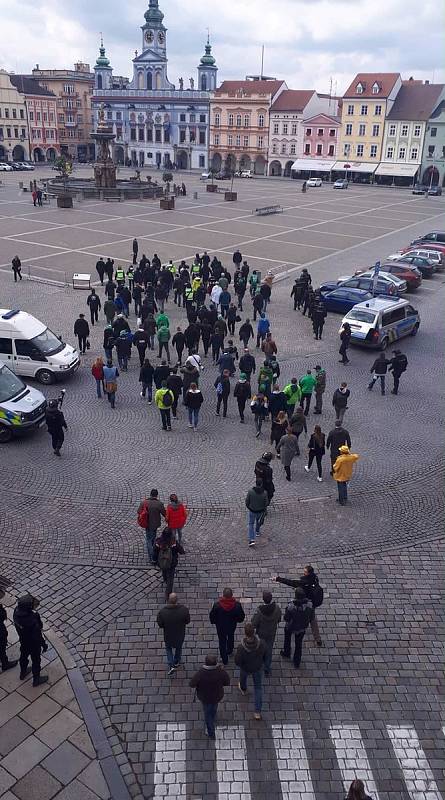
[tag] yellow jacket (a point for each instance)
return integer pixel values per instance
(343, 465)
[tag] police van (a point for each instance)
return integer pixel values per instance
(31, 349)
(380, 321)
(21, 407)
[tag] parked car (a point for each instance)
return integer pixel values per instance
(342, 299)
(426, 266)
(26, 165)
(358, 282)
(5, 167)
(433, 236)
(246, 173)
(399, 284)
(314, 182)
(22, 408)
(411, 275)
(223, 176)
(17, 166)
(437, 257)
(435, 191)
(418, 188)
(205, 176)
(341, 184)
(382, 320)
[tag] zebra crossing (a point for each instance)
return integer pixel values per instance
(173, 762)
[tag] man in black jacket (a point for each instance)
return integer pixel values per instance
(340, 401)
(161, 373)
(246, 333)
(378, 370)
(175, 384)
(29, 628)
(173, 619)
(82, 331)
(225, 614)
(93, 301)
(336, 438)
(309, 582)
(209, 683)
(242, 392)
(398, 365)
(100, 268)
(55, 421)
(264, 472)
(247, 363)
(297, 617)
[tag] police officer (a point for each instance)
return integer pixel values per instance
(188, 296)
(397, 365)
(297, 292)
(55, 421)
(319, 314)
(119, 276)
(130, 276)
(29, 628)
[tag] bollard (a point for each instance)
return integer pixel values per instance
(195, 195)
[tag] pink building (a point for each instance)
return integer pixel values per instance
(321, 133)
(41, 112)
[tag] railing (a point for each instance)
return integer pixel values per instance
(150, 94)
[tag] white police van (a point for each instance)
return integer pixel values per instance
(31, 349)
(380, 321)
(22, 408)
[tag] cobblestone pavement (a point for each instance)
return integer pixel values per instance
(369, 702)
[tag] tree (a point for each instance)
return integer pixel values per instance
(64, 167)
(212, 172)
(167, 178)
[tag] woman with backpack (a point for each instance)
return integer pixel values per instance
(222, 386)
(309, 582)
(97, 371)
(176, 516)
(166, 551)
(316, 449)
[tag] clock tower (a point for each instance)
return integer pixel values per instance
(150, 67)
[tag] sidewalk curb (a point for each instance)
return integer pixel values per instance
(107, 761)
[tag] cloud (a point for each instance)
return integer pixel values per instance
(307, 42)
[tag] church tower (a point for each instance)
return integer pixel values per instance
(103, 72)
(207, 70)
(150, 67)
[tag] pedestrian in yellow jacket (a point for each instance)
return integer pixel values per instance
(342, 471)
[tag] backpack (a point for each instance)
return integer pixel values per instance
(316, 595)
(167, 399)
(299, 618)
(143, 515)
(165, 558)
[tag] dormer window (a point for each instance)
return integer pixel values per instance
(375, 88)
(359, 88)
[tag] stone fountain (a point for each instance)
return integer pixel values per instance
(104, 167)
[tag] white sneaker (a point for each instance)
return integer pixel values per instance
(190, 425)
(306, 469)
(320, 480)
(251, 544)
(142, 394)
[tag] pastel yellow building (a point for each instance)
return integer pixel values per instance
(366, 103)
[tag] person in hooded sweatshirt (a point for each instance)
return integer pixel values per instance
(297, 617)
(190, 374)
(209, 682)
(242, 392)
(225, 614)
(55, 421)
(256, 503)
(340, 401)
(265, 620)
(29, 629)
(309, 582)
(249, 657)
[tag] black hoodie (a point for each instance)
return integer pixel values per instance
(266, 619)
(27, 623)
(55, 420)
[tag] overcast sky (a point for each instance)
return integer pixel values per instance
(307, 42)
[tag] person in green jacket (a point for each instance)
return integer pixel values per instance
(164, 401)
(293, 396)
(307, 383)
(265, 379)
(163, 335)
(162, 321)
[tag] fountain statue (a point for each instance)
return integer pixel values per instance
(104, 167)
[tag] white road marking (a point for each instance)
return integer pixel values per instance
(351, 757)
(232, 771)
(291, 759)
(417, 774)
(170, 778)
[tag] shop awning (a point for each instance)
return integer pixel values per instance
(398, 170)
(312, 165)
(355, 166)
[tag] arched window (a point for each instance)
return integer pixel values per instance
(246, 120)
(238, 120)
(99, 81)
(203, 83)
(230, 120)
(149, 80)
(158, 80)
(140, 80)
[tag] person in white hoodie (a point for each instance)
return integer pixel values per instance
(216, 294)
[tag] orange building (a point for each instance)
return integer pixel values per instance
(239, 124)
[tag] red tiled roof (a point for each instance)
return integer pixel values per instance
(292, 100)
(416, 101)
(386, 81)
(251, 87)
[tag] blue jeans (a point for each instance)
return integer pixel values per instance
(173, 658)
(193, 416)
(268, 656)
(108, 353)
(147, 388)
(257, 686)
(342, 487)
(123, 362)
(150, 537)
(210, 710)
(254, 526)
(98, 386)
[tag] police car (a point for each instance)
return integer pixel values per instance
(21, 407)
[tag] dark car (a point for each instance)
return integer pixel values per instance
(359, 282)
(343, 299)
(419, 188)
(426, 267)
(434, 236)
(435, 191)
(400, 269)
(223, 176)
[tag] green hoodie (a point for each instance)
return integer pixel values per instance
(162, 321)
(163, 334)
(307, 383)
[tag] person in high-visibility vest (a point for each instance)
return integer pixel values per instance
(130, 276)
(171, 267)
(188, 294)
(196, 283)
(195, 270)
(119, 276)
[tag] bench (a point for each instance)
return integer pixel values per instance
(113, 198)
(262, 212)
